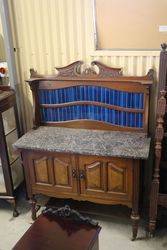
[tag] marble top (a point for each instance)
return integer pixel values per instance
(87, 142)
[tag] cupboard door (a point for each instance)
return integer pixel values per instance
(65, 173)
(119, 178)
(40, 170)
(106, 178)
(54, 173)
(91, 175)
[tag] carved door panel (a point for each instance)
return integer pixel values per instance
(53, 173)
(106, 178)
(40, 167)
(64, 173)
(91, 175)
(119, 178)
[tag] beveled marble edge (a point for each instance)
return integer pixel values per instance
(87, 142)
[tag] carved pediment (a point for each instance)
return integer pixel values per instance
(79, 69)
(96, 69)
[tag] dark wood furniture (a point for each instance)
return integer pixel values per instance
(10, 170)
(158, 196)
(99, 165)
(60, 230)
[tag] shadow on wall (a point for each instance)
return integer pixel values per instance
(2, 49)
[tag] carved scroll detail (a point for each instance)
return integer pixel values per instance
(105, 71)
(72, 69)
(89, 72)
(35, 75)
(67, 212)
(150, 74)
(164, 46)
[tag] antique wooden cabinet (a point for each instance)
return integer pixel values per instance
(90, 135)
(11, 174)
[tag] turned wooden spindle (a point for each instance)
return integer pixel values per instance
(161, 107)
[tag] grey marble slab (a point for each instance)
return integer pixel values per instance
(87, 142)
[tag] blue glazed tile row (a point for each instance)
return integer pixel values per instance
(92, 112)
(92, 93)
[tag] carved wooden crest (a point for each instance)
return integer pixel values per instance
(76, 69)
(94, 70)
(67, 212)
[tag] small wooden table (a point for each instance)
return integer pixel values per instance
(53, 233)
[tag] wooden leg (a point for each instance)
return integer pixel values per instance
(152, 226)
(135, 202)
(153, 207)
(33, 208)
(13, 203)
(135, 225)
